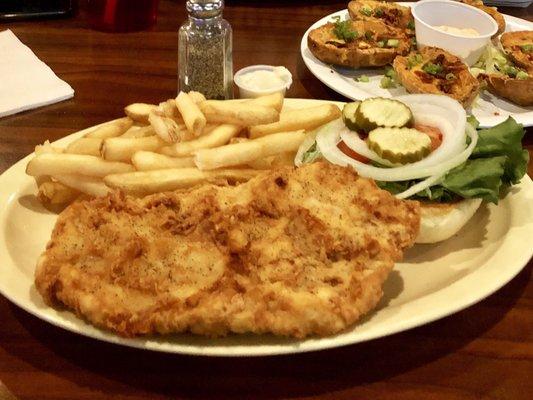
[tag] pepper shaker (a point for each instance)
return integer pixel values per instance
(205, 51)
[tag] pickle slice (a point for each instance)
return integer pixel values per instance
(348, 115)
(399, 145)
(378, 111)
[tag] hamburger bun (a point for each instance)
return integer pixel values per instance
(439, 222)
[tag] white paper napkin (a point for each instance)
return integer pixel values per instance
(25, 81)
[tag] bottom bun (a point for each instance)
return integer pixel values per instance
(439, 222)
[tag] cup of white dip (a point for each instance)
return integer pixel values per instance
(461, 29)
(260, 80)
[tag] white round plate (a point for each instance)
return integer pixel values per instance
(490, 110)
(432, 282)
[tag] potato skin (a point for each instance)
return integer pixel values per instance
(464, 89)
(350, 54)
(519, 91)
(511, 42)
(395, 15)
(492, 11)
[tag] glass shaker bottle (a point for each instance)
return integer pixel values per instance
(205, 51)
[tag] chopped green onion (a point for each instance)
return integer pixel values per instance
(511, 71)
(343, 30)
(368, 35)
(363, 78)
(522, 75)
(381, 43)
(414, 59)
(390, 72)
(411, 25)
(450, 76)
(366, 11)
(387, 83)
(378, 12)
(432, 69)
(393, 43)
(527, 48)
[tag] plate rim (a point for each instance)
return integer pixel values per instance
(314, 344)
(338, 88)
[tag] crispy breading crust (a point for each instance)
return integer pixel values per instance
(519, 91)
(511, 42)
(464, 89)
(324, 45)
(293, 252)
(393, 14)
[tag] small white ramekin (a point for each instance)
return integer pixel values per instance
(249, 93)
(429, 14)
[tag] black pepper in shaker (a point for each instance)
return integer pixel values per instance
(205, 51)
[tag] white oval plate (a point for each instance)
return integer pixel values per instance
(433, 281)
(490, 110)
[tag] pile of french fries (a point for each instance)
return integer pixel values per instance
(180, 143)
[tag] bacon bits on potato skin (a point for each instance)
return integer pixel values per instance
(512, 42)
(361, 52)
(462, 86)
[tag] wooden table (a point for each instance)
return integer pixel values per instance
(485, 351)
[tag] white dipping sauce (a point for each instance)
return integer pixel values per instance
(263, 79)
(466, 32)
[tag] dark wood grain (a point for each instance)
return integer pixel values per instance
(485, 351)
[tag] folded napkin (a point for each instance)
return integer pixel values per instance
(25, 81)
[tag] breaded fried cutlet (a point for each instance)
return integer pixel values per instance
(292, 252)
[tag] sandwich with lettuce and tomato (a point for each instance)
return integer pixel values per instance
(423, 147)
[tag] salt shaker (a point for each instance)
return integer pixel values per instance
(205, 51)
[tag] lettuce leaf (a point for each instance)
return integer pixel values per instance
(504, 139)
(498, 161)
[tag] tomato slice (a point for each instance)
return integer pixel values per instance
(350, 153)
(434, 134)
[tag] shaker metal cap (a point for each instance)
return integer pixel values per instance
(205, 8)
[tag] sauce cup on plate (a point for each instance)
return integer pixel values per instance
(461, 29)
(261, 80)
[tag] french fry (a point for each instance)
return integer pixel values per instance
(262, 163)
(80, 164)
(274, 100)
(85, 184)
(85, 145)
(170, 110)
(46, 147)
(234, 140)
(195, 121)
(148, 161)
(121, 149)
(56, 193)
(139, 112)
(246, 152)
(136, 132)
(196, 97)
(217, 137)
(168, 129)
(305, 118)
(284, 159)
(238, 113)
(147, 182)
(111, 129)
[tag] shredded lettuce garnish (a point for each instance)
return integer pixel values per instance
(312, 154)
